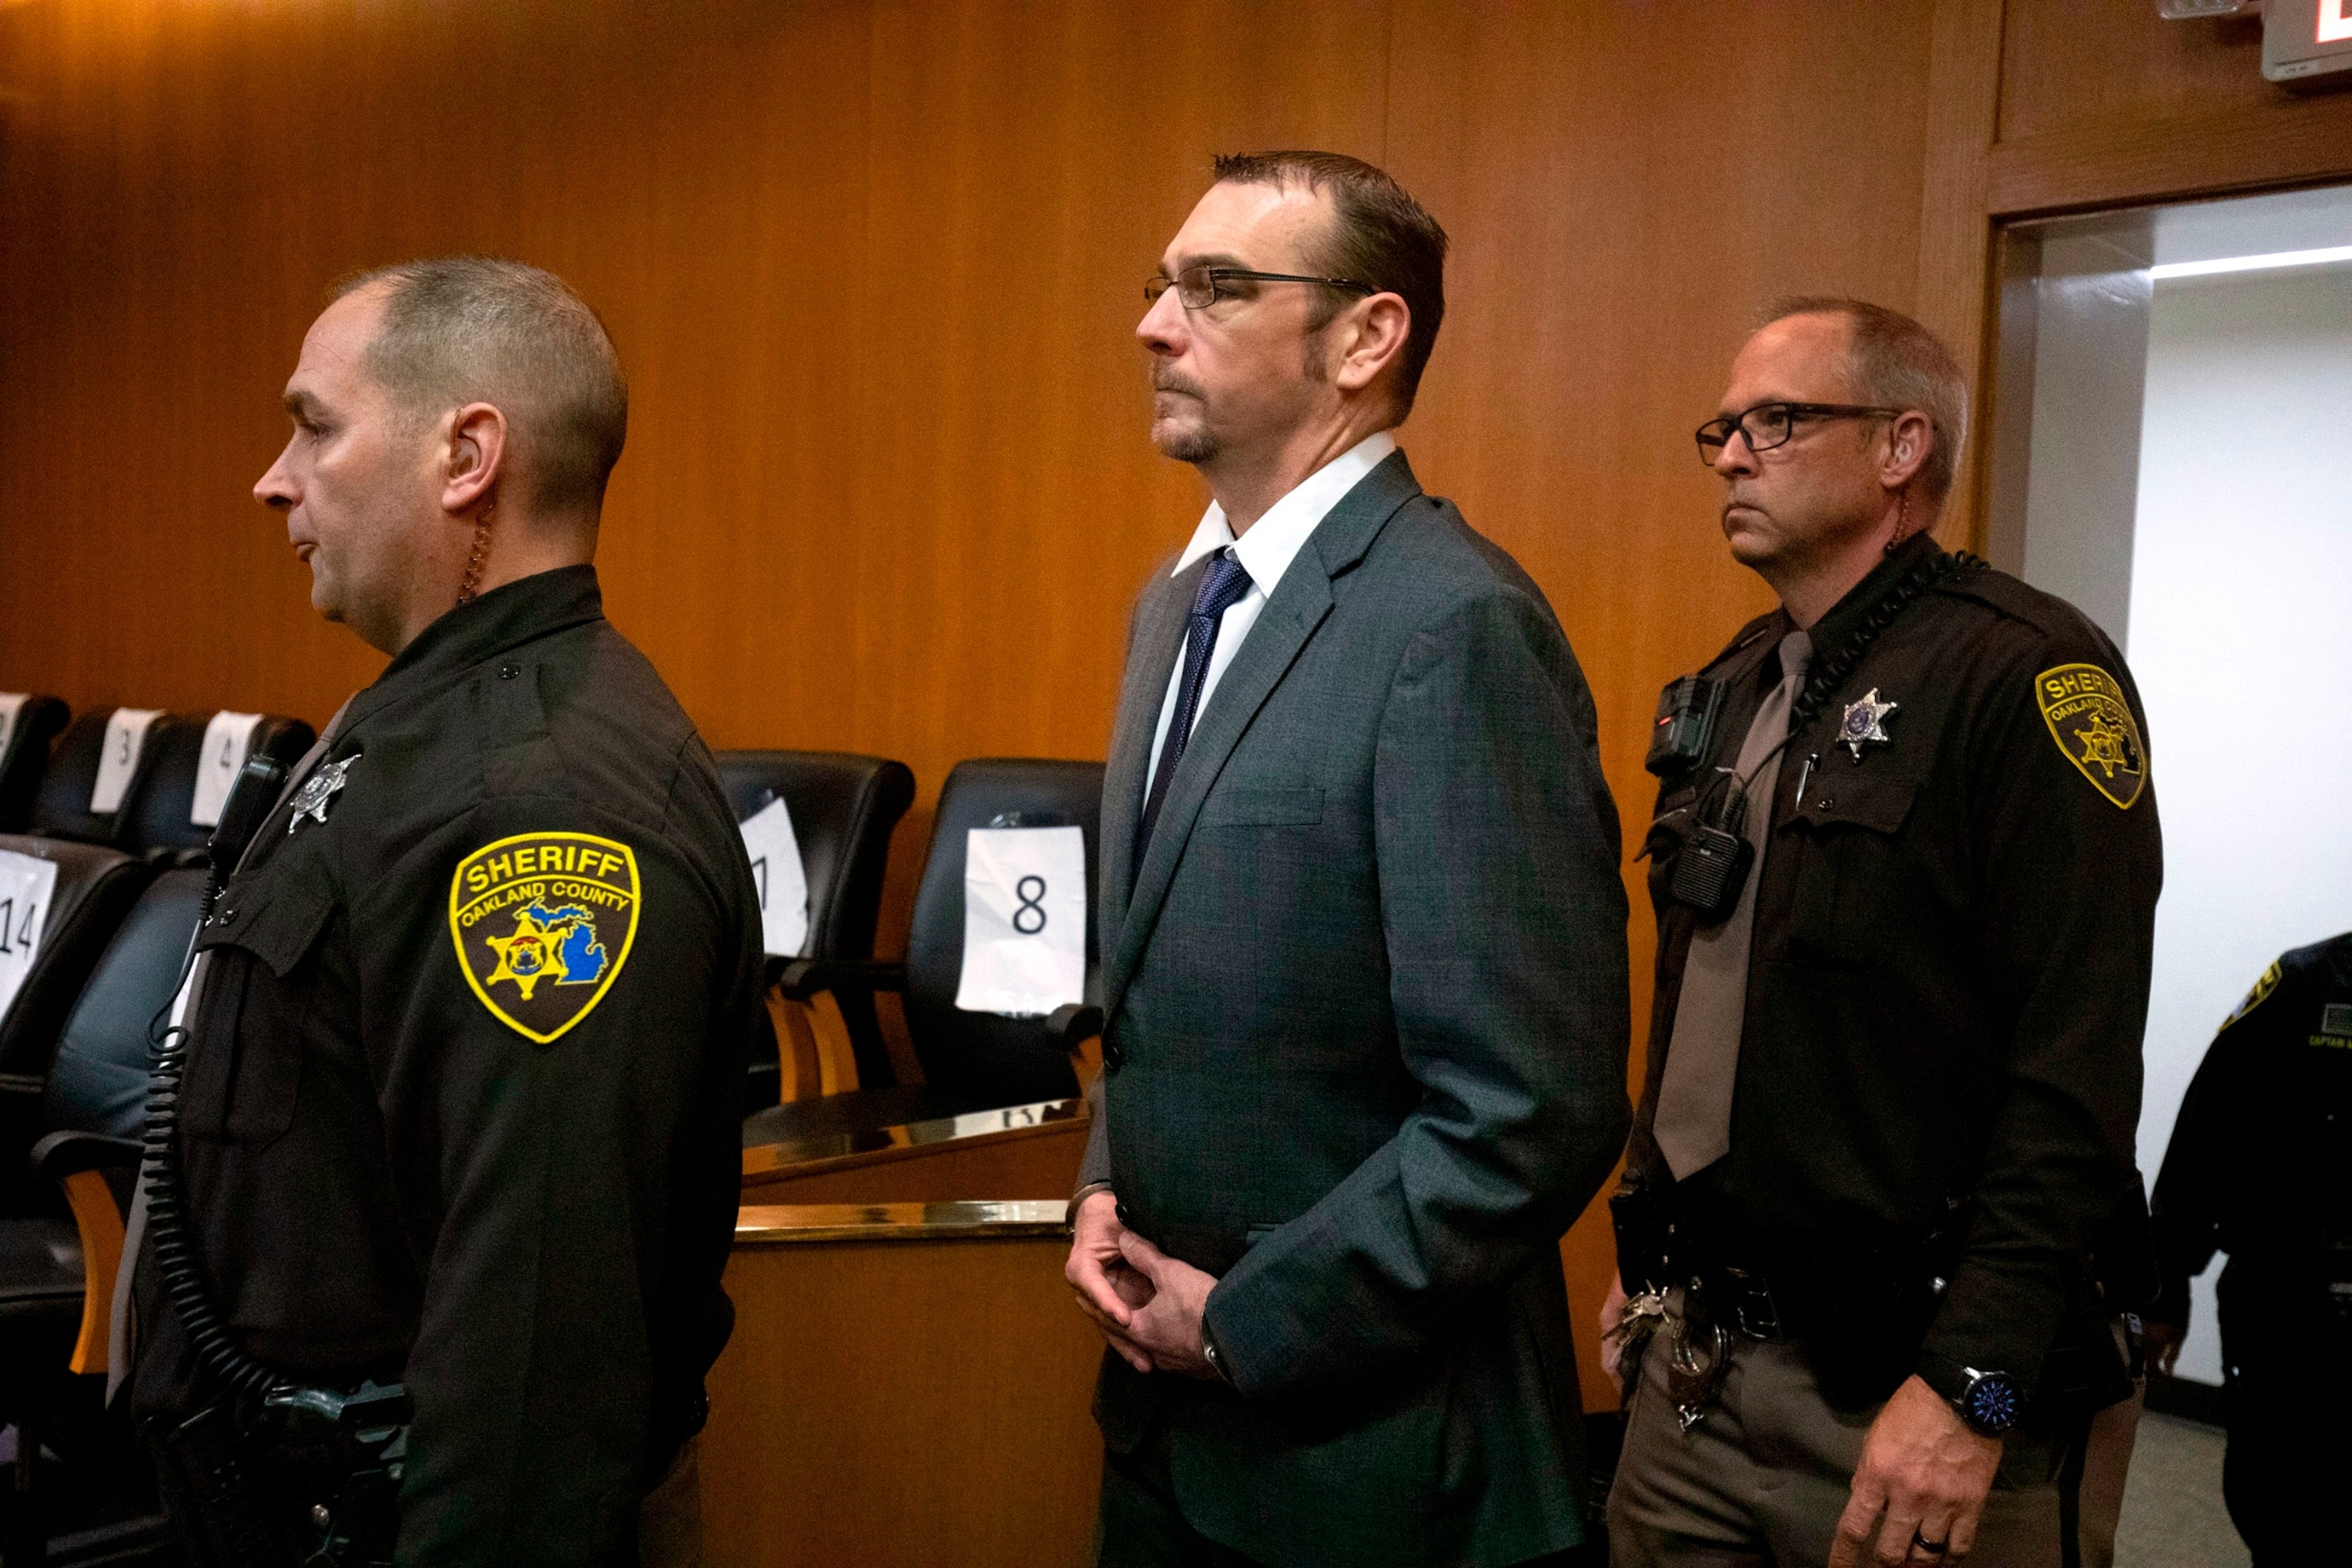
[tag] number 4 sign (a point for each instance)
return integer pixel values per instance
(227, 739)
(1025, 920)
(26, 884)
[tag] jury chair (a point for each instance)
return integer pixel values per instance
(27, 757)
(56, 1274)
(970, 1061)
(843, 807)
(158, 816)
(95, 890)
(62, 806)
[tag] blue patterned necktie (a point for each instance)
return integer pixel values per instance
(1223, 584)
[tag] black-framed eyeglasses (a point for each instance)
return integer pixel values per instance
(1198, 288)
(1771, 425)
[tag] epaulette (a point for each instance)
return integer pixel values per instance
(1741, 641)
(2013, 597)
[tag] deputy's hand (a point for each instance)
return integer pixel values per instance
(1923, 1472)
(1612, 1350)
(1168, 1326)
(1109, 1291)
(2161, 1343)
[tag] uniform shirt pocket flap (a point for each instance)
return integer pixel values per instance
(277, 927)
(1876, 801)
(1263, 807)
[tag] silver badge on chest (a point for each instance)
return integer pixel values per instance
(319, 792)
(1864, 724)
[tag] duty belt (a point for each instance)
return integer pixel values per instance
(1742, 1300)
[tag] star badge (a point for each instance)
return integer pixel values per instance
(1863, 724)
(318, 791)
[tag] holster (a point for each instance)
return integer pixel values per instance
(307, 1479)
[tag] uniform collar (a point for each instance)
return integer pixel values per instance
(506, 617)
(1850, 612)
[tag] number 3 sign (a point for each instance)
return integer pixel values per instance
(1025, 920)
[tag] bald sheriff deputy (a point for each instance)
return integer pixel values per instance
(432, 1258)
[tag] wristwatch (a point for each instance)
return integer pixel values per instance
(1987, 1400)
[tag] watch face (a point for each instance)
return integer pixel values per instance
(1991, 1403)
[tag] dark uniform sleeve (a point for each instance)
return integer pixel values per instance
(2204, 1152)
(552, 1168)
(2068, 895)
(1505, 934)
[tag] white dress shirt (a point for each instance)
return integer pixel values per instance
(1266, 552)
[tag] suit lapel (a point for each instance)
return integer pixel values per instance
(1301, 602)
(1158, 638)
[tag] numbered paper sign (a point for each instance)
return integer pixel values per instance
(1025, 920)
(227, 739)
(26, 884)
(10, 704)
(126, 735)
(782, 881)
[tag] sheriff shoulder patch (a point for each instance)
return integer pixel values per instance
(543, 922)
(2257, 996)
(2093, 724)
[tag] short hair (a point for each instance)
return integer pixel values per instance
(1895, 362)
(461, 329)
(1381, 237)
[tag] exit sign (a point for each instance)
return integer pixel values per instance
(2307, 43)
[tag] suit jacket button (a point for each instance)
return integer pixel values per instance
(1113, 1055)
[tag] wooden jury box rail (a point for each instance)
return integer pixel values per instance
(1021, 1152)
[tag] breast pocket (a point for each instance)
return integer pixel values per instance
(1295, 807)
(1849, 886)
(245, 1067)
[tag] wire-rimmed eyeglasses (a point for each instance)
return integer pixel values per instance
(1198, 288)
(1771, 425)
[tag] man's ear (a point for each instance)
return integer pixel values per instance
(1909, 439)
(476, 458)
(1371, 338)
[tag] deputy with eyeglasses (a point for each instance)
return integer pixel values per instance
(1904, 861)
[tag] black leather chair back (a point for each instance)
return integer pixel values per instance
(62, 806)
(157, 808)
(95, 890)
(27, 757)
(843, 807)
(998, 1060)
(97, 1080)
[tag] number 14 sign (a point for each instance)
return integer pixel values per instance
(26, 884)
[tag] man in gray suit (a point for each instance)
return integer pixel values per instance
(1364, 945)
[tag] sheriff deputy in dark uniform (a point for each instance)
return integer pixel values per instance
(2260, 1167)
(1905, 863)
(434, 1248)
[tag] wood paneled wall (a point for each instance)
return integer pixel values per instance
(874, 264)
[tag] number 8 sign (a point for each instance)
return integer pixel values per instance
(1025, 920)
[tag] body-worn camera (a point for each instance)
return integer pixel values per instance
(1686, 724)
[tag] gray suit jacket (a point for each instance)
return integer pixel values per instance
(1367, 995)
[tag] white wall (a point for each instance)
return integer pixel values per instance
(2242, 641)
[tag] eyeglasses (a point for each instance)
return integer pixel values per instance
(1198, 288)
(1771, 425)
